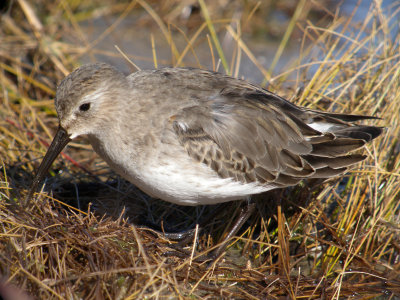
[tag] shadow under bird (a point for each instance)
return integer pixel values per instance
(195, 137)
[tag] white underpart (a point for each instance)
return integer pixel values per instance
(321, 127)
(188, 182)
(181, 180)
(186, 186)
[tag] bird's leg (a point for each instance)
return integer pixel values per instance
(184, 237)
(245, 213)
(174, 236)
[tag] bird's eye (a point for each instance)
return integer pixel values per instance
(84, 107)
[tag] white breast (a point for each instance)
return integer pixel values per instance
(196, 184)
(173, 176)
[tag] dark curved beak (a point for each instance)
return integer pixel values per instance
(61, 139)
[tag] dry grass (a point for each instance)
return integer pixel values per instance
(340, 239)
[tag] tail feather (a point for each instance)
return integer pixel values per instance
(366, 133)
(345, 117)
(318, 162)
(331, 153)
(337, 147)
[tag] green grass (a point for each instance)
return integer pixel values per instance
(339, 239)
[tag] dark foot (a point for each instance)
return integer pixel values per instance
(174, 236)
(245, 213)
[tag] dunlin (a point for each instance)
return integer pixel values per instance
(195, 137)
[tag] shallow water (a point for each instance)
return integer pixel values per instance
(134, 39)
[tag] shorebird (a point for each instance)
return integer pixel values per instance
(195, 137)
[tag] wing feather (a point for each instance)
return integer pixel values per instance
(252, 135)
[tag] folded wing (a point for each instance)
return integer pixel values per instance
(252, 135)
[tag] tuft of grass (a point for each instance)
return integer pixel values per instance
(337, 239)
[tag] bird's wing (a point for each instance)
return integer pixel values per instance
(254, 136)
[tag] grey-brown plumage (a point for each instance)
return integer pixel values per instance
(252, 135)
(255, 136)
(193, 137)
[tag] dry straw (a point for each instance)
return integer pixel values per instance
(333, 240)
